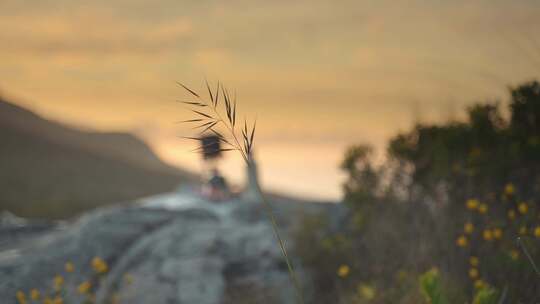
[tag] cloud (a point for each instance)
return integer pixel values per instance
(89, 33)
(276, 53)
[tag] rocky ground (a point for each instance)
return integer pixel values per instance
(171, 248)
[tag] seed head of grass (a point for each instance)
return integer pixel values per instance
(216, 114)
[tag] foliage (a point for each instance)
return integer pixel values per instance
(456, 195)
(474, 157)
(362, 176)
(431, 287)
(486, 295)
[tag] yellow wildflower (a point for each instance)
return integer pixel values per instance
(479, 284)
(474, 261)
(523, 230)
(366, 291)
(523, 208)
(343, 271)
(461, 241)
(21, 297)
(84, 287)
(488, 236)
(99, 265)
(514, 254)
(58, 300)
(537, 231)
(497, 233)
(34, 294)
(483, 208)
(469, 228)
(47, 300)
(509, 189)
(473, 273)
(69, 267)
(511, 214)
(472, 204)
(58, 282)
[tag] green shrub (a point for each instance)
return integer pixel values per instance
(431, 287)
(486, 295)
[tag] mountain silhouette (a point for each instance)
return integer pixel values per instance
(51, 170)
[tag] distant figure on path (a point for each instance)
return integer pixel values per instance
(215, 186)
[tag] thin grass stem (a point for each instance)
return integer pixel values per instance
(524, 249)
(213, 120)
(273, 222)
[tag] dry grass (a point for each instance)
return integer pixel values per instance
(209, 117)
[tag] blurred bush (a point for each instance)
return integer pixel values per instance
(455, 196)
(486, 295)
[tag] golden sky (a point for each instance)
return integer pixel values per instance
(319, 75)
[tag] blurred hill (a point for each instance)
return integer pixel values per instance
(51, 170)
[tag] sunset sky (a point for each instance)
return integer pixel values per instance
(319, 75)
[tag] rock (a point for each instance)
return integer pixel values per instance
(173, 248)
(16, 231)
(9, 220)
(104, 233)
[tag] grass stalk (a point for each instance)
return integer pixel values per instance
(528, 255)
(210, 118)
(290, 268)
